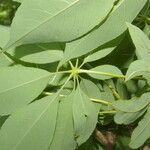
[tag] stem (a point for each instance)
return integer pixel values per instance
(50, 94)
(108, 112)
(58, 93)
(114, 92)
(101, 101)
(101, 73)
(71, 65)
(92, 99)
(77, 63)
(61, 72)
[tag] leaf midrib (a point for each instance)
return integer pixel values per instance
(55, 15)
(34, 123)
(18, 86)
(81, 41)
(148, 122)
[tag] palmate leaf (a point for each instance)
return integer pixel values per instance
(38, 53)
(113, 27)
(141, 42)
(133, 105)
(137, 68)
(104, 72)
(56, 20)
(84, 116)
(32, 127)
(20, 86)
(141, 132)
(4, 35)
(64, 132)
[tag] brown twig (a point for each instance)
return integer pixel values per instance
(108, 139)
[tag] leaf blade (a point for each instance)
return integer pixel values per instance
(20, 83)
(58, 20)
(25, 123)
(141, 132)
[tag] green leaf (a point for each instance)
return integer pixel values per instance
(122, 142)
(5, 31)
(121, 89)
(133, 105)
(92, 91)
(147, 77)
(113, 27)
(21, 85)
(5, 61)
(137, 68)
(56, 20)
(141, 42)
(132, 86)
(141, 132)
(84, 116)
(64, 133)
(104, 72)
(58, 79)
(147, 30)
(32, 127)
(38, 53)
(127, 118)
(90, 88)
(98, 55)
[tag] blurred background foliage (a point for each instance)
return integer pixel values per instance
(7, 11)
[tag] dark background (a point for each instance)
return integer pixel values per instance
(7, 11)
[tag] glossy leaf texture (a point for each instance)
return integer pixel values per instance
(84, 116)
(104, 72)
(141, 132)
(137, 68)
(113, 27)
(56, 20)
(21, 85)
(133, 105)
(26, 128)
(38, 53)
(141, 42)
